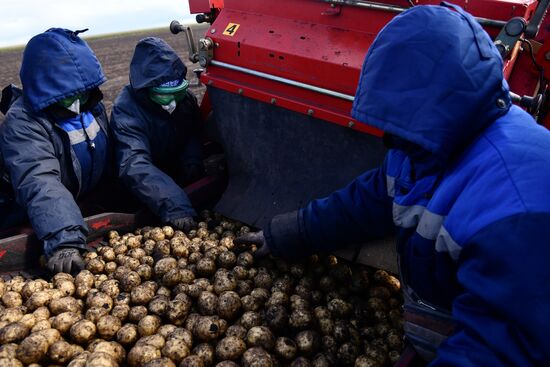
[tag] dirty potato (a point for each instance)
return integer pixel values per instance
(230, 348)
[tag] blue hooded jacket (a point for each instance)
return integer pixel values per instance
(469, 204)
(153, 147)
(45, 173)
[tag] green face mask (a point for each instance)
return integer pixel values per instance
(166, 95)
(69, 101)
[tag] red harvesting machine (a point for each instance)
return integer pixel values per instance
(281, 77)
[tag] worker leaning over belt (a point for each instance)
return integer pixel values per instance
(156, 124)
(55, 141)
(464, 185)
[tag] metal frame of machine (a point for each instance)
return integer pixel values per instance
(306, 56)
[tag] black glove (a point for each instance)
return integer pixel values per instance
(65, 260)
(253, 238)
(184, 224)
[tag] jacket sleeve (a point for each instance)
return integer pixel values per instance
(502, 316)
(359, 212)
(35, 175)
(136, 169)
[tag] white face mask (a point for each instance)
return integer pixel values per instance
(75, 107)
(170, 107)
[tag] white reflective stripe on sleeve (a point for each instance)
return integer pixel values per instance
(445, 243)
(390, 185)
(78, 136)
(407, 216)
(430, 225)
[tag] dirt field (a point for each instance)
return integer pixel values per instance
(114, 53)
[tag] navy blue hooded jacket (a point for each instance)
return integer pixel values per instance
(153, 147)
(470, 205)
(44, 170)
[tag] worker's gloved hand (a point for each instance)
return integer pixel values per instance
(65, 260)
(253, 238)
(184, 224)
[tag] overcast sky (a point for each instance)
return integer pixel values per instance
(22, 19)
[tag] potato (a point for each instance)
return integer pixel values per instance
(224, 282)
(37, 300)
(250, 319)
(206, 328)
(149, 325)
(130, 280)
(110, 288)
(286, 348)
(137, 313)
(206, 352)
(121, 312)
(227, 364)
(95, 313)
(10, 362)
(226, 259)
(51, 335)
(300, 362)
(12, 299)
(127, 334)
(160, 362)
(99, 299)
(95, 266)
(13, 332)
(347, 353)
(159, 305)
(183, 335)
(113, 349)
(8, 350)
(231, 348)
(145, 271)
(142, 294)
(32, 349)
(64, 321)
(64, 304)
(30, 288)
(256, 357)
(155, 340)
(229, 305)
(122, 299)
(99, 359)
(108, 326)
(192, 361)
(175, 349)
(83, 331)
(207, 303)
(164, 265)
(206, 267)
(66, 287)
(276, 317)
(178, 310)
(308, 342)
(141, 354)
(339, 308)
(250, 304)
(236, 331)
(61, 352)
(260, 336)
(41, 313)
(326, 326)
(28, 320)
(365, 361)
(300, 319)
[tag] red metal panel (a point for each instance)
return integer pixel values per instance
(311, 42)
(199, 6)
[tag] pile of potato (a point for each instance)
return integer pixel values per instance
(159, 297)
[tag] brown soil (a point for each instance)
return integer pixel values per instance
(114, 53)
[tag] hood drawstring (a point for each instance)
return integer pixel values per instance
(91, 144)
